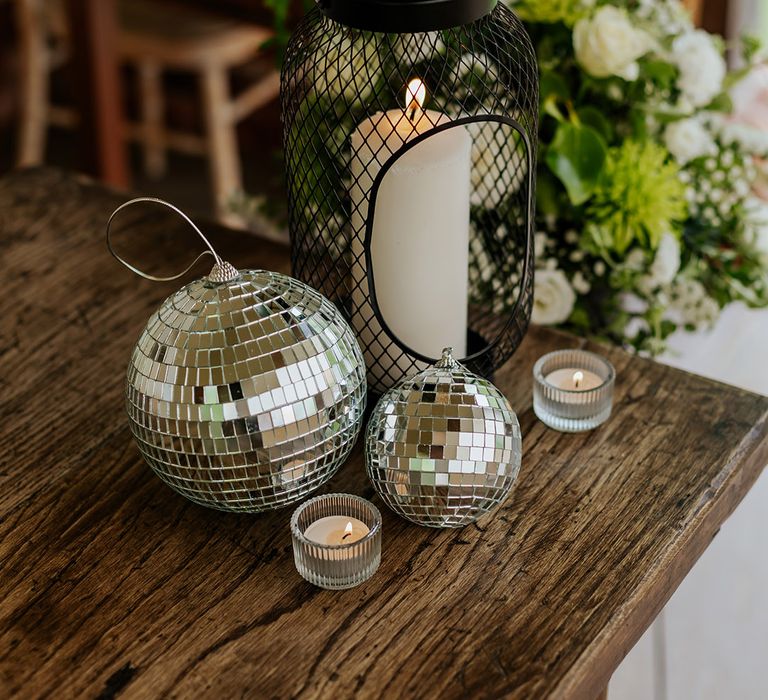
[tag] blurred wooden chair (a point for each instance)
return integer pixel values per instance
(154, 37)
(43, 42)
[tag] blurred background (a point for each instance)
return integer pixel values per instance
(178, 99)
(174, 97)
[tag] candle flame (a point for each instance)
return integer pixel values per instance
(578, 378)
(347, 530)
(415, 96)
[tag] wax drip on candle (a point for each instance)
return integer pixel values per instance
(416, 96)
(578, 378)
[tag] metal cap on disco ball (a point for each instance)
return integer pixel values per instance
(246, 390)
(443, 447)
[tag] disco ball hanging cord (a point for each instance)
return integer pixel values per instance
(222, 271)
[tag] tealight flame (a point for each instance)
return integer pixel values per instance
(578, 378)
(347, 530)
(415, 96)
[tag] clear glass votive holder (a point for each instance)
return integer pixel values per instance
(573, 405)
(337, 566)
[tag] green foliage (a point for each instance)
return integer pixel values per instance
(722, 103)
(576, 155)
(280, 15)
(638, 198)
(596, 119)
(550, 11)
(662, 73)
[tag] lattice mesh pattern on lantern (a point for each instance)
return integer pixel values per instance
(484, 75)
(246, 395)
(444, 447)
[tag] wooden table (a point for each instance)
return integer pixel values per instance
(111, 584)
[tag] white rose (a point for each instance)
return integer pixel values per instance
(608, 44)
(666, 264)
(756, 224)
(688, 139)
(553, 298)
(702, 67)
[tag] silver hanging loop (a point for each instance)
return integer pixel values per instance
(222, 271)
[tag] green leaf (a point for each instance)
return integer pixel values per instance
(549, 106)
(552, 84)
(667, 117)
(736, 76)
(547, 190)
(661, 72)
(280, 24)
(750, 45)
(637, 122)
(592, 116)
(721, 103)
(667, 328)
(576, 155)
(579, 317)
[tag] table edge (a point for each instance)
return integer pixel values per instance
(590, 673)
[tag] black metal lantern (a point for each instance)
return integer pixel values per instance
(409, 131)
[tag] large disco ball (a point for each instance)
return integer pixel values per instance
(443, 447)
(246, 394)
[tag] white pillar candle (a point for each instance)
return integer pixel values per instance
(336, 529)
(420, 237)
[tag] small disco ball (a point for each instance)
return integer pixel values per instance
(246, 390)
(443, 447)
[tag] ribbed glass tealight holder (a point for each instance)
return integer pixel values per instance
(343, 565)
(570, 405)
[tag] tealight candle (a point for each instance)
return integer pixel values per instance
(336, 540)
(573, 390)
(574, 380)
(336, 529)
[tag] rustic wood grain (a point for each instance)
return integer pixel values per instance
(113, 585)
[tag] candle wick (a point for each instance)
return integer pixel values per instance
(346, 534)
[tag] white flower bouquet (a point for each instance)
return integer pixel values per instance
(649, 218)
